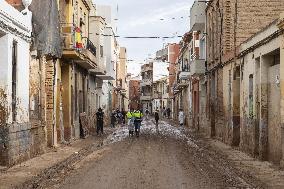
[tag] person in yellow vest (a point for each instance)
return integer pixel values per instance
(130, 122)
(138, 115)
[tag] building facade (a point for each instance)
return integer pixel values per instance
(121, 88)
(169, 55)
(16, 142)
(235, 89)
(160, 97)
(134, 93)
(260, 99)
(146, 86)
(109, 49)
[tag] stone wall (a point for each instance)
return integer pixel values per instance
(19, 142)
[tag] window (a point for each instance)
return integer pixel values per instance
(14, 80)
(75, 19)
(101, 51)
(97, 101)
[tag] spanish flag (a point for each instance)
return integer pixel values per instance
(78, 38)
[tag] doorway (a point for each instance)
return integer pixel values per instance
(274, 128)
(236, 107)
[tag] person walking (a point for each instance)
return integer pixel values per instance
(130, 122)
(156, 115)
(181, 117)
(137, 121)
(168, 113)
(164, 112)
(123, 113)
(113, 119)
(100, 121)
(147, 113)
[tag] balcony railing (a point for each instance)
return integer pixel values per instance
(90, 46)
(72, 39)
(145, 98)
(185, 67)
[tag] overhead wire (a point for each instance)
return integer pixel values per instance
(142, 37)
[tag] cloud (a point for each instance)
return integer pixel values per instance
(164, 12)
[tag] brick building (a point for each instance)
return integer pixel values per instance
(229, 24)
(169, 54)
(134, 94)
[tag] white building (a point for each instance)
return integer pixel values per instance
(107, 53)
(15, 36)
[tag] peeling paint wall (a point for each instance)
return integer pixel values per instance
(226, 20)
(260, 112)
(66, 89)
(281, 26)
(15, 131)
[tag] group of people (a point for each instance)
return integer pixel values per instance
(134, 119)
(181, 117)
(166, 112)
(117, 117)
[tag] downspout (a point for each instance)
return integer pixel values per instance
(54, 102)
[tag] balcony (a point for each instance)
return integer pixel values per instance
(100, 70)
(197, 67)
(157, 95)
(162, 54)
(77, 48)
(184, 71)
(146, 82)
(146, 68)
(145, 98)
(197, 16)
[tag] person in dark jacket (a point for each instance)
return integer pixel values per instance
(113, 119)
(100, 121)
(168, 113)
(157, 116)
(123, 113)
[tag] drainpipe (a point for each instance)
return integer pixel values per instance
(54, 102)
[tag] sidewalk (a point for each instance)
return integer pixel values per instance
(54, 159)
(270, 175)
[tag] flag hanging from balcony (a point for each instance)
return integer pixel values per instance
(78, 38)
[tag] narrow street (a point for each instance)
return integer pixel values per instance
(166, 160)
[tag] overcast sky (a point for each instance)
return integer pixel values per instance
(142, 18)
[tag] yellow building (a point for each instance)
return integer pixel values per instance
(72, 71)
(121, 83)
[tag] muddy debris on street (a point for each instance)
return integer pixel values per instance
(168, 158)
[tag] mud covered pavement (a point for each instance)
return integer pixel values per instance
(169, 158)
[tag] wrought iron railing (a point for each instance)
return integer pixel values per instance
(68, 32)
(90, 46)
(186, 67)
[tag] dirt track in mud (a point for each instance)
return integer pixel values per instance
(154, 161)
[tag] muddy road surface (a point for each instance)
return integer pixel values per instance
(152, 161)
